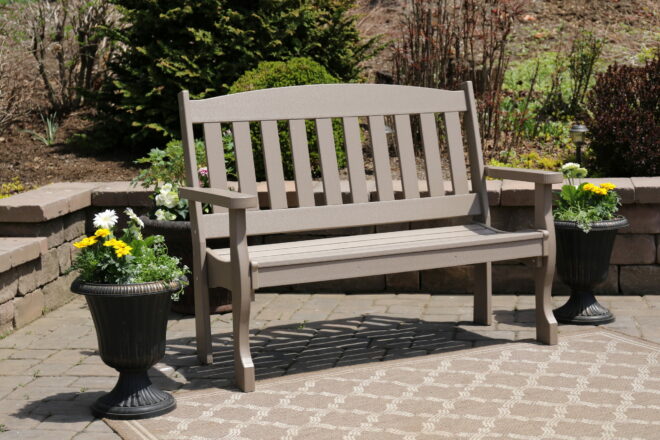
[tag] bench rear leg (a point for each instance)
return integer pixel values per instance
(483, 285)
(546, 324)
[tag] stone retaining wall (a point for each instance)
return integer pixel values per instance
(38, 227)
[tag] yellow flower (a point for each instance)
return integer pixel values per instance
(608, 186)
(102, 232)
(114, 243)
(87, 241)
(600, 191)
(122, 251)
(589, 187)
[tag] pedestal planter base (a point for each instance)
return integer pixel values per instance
(133, 397)
(131, 325)
(582, 263)
(583, 309)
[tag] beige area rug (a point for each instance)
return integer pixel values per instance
(593, 385)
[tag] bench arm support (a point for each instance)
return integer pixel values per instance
(535, 176)
(220, 197)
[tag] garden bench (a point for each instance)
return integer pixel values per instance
(242, 268)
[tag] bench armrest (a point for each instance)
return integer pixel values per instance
(536, 176)
(220, 197)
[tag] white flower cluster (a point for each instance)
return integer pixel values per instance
(108, 219)
(161, 214)
(167, 196)
(133, 216)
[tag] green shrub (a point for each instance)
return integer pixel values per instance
(625, 127)
(205, 45)
(297, 71)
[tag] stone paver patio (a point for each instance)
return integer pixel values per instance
(50, 371)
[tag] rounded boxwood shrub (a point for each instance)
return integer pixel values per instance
(625, 126)
(294, 72)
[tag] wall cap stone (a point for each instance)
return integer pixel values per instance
(46, 203)
(15, 251)
(647, 189)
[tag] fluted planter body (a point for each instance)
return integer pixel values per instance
(131, 324)
(178, 237)
(583, 261)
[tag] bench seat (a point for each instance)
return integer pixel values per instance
(377, 253)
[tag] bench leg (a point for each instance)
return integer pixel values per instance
(241, 294)
(243, 365)
(546, 324)
(202, 313)
(483, 285)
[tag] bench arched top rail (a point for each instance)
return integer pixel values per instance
(324, 101)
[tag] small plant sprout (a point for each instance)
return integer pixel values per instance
(50, 130)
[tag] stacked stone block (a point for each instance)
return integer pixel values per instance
(38, 227)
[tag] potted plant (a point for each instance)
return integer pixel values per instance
(129, 282)
(170, 217)
(586, 224)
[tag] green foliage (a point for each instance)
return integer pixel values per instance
(205, 45)
(167, 165)
(585, 203)
(625, 128)
(127, 258)
(50, 130)
(297, 71)
(14, 186)
(531, 160)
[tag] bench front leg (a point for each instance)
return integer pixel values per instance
(546, 324)
(241, 298)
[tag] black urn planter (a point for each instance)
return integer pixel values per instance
(131, 322)
(178, 237)
(583, 260)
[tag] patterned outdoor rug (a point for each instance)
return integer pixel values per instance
(593, 385)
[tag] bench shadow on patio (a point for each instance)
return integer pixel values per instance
(284, 350)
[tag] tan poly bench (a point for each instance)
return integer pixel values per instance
(242, 268)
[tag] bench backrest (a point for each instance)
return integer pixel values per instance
(346, 102)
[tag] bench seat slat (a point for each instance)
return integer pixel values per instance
(345, 216)
(356, 241)
(451, 246)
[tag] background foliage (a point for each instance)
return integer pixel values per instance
(205, 45)
(625, 126)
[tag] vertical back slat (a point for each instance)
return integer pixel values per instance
(406, 156)
(329, 168)
(273, 160)
(301, 167)
(431, 147)
(215, 158)
(474, 152)
(355, 160)
(456, 154)
(381, 158)
(247, 181)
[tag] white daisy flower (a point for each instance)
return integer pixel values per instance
(131, 215)
(106, 219)
(570, 166)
